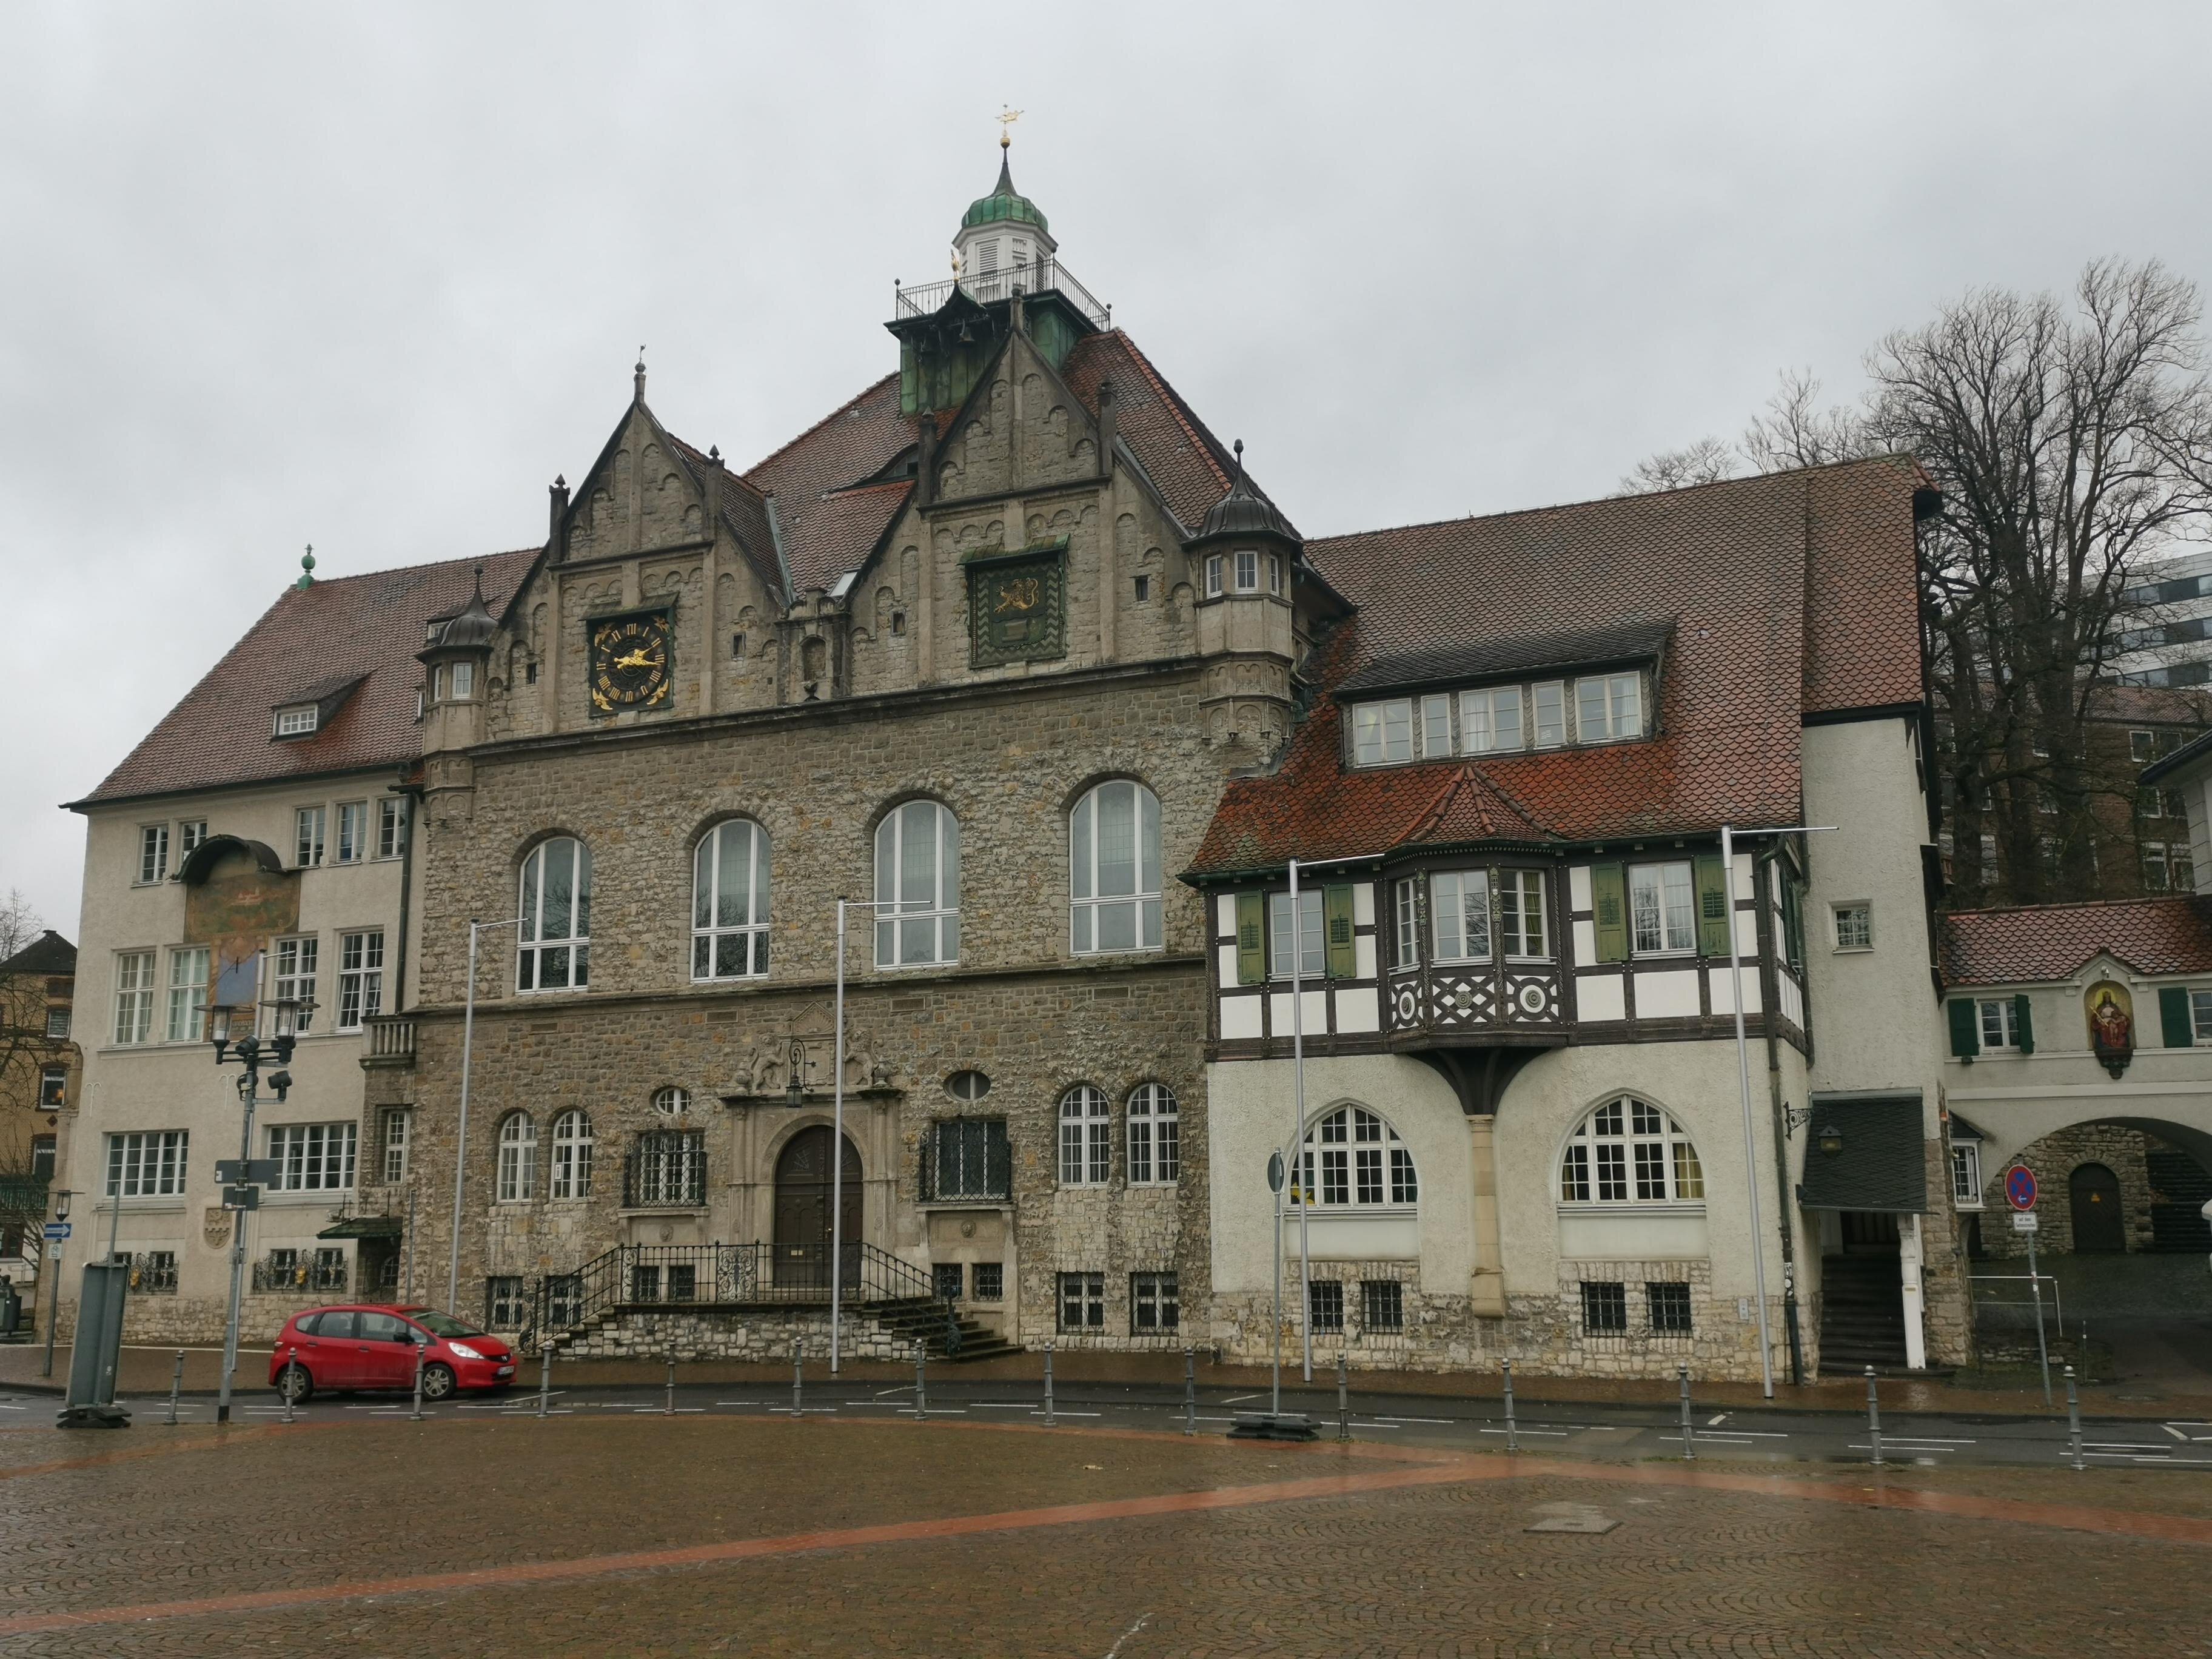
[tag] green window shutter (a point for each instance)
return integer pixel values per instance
(1336, 928)
(1966, 1028)
(1251, 939)
(2024, 1024)
(1713, 908)
(1609, 901)
(2178, 1030)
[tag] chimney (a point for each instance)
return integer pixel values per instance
(558, 510)
(1106, 428)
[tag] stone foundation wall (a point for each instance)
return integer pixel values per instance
(764, 1335)
(2054, 1158)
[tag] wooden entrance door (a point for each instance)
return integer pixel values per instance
(2098, 1226)
(802, 1210)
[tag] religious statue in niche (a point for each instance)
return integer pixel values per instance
(2112, 1017)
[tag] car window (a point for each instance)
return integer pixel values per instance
(304, 1324)
(338, 1322)
(384, 1327)
(442, 1324)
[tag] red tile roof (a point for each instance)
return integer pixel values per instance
(1736, 570)
(827, 527)
(349, 627)
(2031, 944)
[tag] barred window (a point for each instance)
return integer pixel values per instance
(990, 1281)
(1082, 1302)
(1605, 1305)
(507, 1305)
(1155, 1303)
(1628, 1152)
(1087, 1140)
(1325, 1304)
(1155, 1136)
(1353, 1158)
(313, 1156)
(947, 1278)
(667, 1170)
(1670, 1303)
(1382, 1304)
(967, 1158)
(150, 1164)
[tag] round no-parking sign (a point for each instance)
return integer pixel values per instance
(2019, 1187)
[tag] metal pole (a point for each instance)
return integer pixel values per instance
(176, 1387)
(2073, 1419)
(2042, 1348)
(544, 1378)
(461, 1139)
(1689, 1445)
(1512, 1434)
(837, 1154)
(1047, 1385)
(1874, 1417)
(1343, 1398)
(54, 1307)
(797, 1377)
(1750, 1137)
(285, 1381)
(920, 1382)
(1298, 1124)
(410, 1230)
(1189, 1393)
(2087, 1380)
(416, 1416)
(237, 1247)
(669, 1408)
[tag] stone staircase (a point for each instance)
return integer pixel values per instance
(1862, 1314)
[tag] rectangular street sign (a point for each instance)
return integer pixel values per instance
(241, 1198)
(2023, 1221)
(57, 1230)
(236, 1172)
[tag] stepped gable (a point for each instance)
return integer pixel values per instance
(1722, 578)
(2034, 943)
(366, 628)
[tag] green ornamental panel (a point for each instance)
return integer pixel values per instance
(1609, 903)
(1017, 606)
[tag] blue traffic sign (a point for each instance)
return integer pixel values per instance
(57, 1230)
(2019, 1187)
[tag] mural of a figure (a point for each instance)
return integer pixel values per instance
(2112, 1025)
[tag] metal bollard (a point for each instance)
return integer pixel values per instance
(797, 1348)
(2073, 1419)
(176, 1383)
(920, 1382)
(2084, 1347)
(1689, 1447)
(669, 1409)
(418, 1415)
(285, 1384)
(1047, 1385)
(544, 1378)
(1343, 1398)
(1189, 1393)
(1874, 1417)
(1512, 1434)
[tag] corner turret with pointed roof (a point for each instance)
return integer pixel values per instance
(456, 659)
(1243, 510)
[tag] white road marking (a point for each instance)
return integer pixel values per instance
(2123, 1445)
(1238, 1399)
(2175, 1432)
(1717, 1417)
(1557, 1434)
(1125, 1636)
(1409, 1419)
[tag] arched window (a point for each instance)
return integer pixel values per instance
(1353, 1159)
(571, 1154)
(557, 918)
(672, 1102)
(518, 1159)
(917, 886)
(1155, 1136)
(1628, 1152)
(729, 902)
(1114, 854)
(1086, 1142)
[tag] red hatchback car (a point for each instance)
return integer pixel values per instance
(372, 1345)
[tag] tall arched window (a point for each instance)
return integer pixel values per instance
(1628, 1152)
(917, 886)
(571, 1154)
(518, 1159)
(1354, 1159)
(556, 952)
(1114, 855)
(1086, 1138)
(1155, 1136)
(729, 902)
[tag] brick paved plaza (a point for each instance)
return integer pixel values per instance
(621, 1534)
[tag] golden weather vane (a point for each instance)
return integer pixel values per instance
(1007, 118)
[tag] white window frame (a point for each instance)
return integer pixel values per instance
(313, 1157)
(308, 825)
(53, 1087)
(1086, 1137)
(296, 962)
(1435, 732)
(2001, 1015)
(1382, 732)
(518, 1159)
(134, 997)
(361, 977)
(1455, 897)
(1859, 935)
(300, 720)
(1624, 1148)
(1134, 898)
(570, 951)
(726, 922)
(395, 1142)
(1214, 563)
(1482, 723)
(1354, 1159)
(572, 1144)
(191, 833)
(147, 1164)
(917, 925)
(2200, 1014)
(1406, 905)
(1966, 1175)
(1312, 942)
(1153, 1124)
(1613, 703)
(1275, 574)
(353, 833)
(57, 1024)
(1674, 925)
(464, 681)
(184, 1010)
(672, 1099)
(1548, 710)
(1246, 565)
(1522, 915)
(391, 826)
(153, 854)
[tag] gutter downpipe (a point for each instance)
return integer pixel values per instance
(1789, 1324)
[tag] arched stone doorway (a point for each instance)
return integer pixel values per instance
(2098, 1215)
(803, 1198)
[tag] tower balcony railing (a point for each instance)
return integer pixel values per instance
(988, 287)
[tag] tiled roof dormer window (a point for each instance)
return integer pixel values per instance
(1590, 708)
(298, 721)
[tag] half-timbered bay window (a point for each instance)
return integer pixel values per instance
(917, 886)
(1459, 902)
(1523, 927)
(729, 902)
(554, 954)
(1113, 849)
(1628, 1152)
(1354, 1159)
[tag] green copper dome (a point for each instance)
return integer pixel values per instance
(1004, 202)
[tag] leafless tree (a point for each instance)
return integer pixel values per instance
(1706, 461)
(19, 923)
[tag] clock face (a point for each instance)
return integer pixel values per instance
(630, 663)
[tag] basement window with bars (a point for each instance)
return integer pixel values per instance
(1155, 1303)
(1605, 1306)
(990, 1281)
(507, 1304)
(1382, 1304)
(1669, 1302)
(1325, 1305)
(1083, 1302)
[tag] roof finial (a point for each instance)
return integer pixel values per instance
(1007, 117)
(307, 568)
(1240, 460)
(640, 373)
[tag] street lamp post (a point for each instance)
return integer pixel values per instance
(250, 1054)
(54, 1292)
(461, 1137)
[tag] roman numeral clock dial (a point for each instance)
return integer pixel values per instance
(630, 663)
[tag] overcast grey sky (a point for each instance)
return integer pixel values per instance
(368, 277)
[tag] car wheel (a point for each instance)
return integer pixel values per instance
(294, 1383)
(437, 1381)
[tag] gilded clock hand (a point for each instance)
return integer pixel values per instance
(637, 659)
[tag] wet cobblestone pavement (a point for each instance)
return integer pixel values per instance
(651, 1535)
